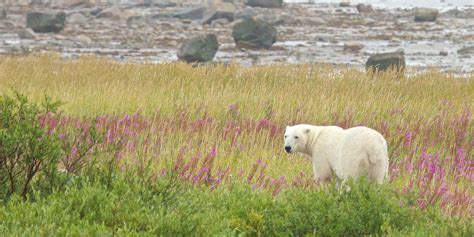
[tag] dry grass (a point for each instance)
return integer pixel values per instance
(196, 109)
(304, 93)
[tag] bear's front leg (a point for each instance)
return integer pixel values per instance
(322, 172)
(322, 180)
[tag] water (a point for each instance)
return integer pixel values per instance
(439, 4)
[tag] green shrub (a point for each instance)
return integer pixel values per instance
(26, 147)
(361, 211)
(87, 207)
(166, 206)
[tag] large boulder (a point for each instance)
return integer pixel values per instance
(218, 11)
(264, 3)
(192, 13)
(425, 14)
(254, 33)
(46, 21)
(198, 49)
(384, 61)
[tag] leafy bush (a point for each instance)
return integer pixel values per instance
(88, 207)
(363, 210)
(168, 207)
(27, 148)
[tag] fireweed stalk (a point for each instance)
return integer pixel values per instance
(234, 133)
(439, 170)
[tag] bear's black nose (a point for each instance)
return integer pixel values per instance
(288, 149)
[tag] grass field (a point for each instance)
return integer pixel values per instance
(199, 150)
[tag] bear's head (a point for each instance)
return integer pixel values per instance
(296, 138)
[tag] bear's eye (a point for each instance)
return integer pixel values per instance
(296, 137)
(286, 136)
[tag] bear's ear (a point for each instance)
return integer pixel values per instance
(307, 131)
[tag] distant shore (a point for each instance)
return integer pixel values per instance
(307, 33)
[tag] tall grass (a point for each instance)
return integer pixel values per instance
(286, 94)
(217, 124)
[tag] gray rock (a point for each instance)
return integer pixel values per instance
(83, 39)
(26, 33)
(3, 13)
(136, 21)
(264, 3)
(466, 50)
(443, 53)
(164, 3)
(8, 24)
(316, 21)
(142, 3)
(353, 46)
(344, 4)
(219, 11)
(465, 13)
(78, 3)
(198, 49)
(46, 21)
(279, 21)
(362, 8)
(245, 13)
(220, 22)
(192, 14)
(95, 11)
(384, 61)
(425, 14)
(110, 13)
(59, 37)
(77, 18)
(160, 16)
(254, 33)
(153, 3)
(275, 20)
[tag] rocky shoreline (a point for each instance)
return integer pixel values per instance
(306, 33)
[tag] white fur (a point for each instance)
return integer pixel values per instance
(353, 152)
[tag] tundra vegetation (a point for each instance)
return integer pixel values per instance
(94, 147)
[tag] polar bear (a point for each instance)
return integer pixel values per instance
(345, 153)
